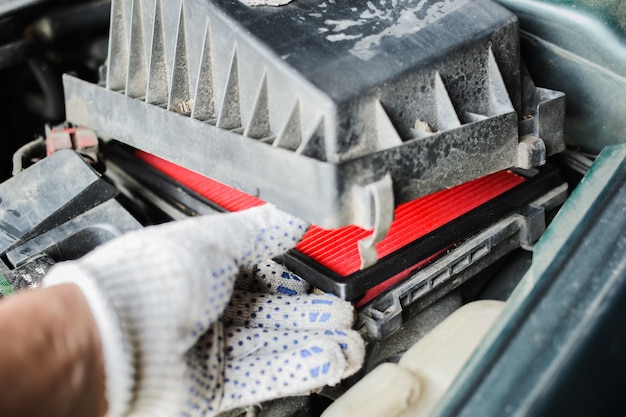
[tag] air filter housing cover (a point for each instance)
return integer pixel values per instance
(336, 111)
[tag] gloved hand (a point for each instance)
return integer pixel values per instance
(157, 296)
(278, 341)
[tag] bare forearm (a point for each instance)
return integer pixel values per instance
(50, 357)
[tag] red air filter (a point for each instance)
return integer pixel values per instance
(337, 249)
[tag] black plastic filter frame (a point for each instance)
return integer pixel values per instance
(538, 182)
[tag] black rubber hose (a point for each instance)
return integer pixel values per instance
(51, 107)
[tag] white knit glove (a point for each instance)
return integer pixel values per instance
(157, 296)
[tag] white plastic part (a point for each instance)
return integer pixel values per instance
(414, 386)
(388, 391)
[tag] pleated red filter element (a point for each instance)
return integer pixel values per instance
(337, 249)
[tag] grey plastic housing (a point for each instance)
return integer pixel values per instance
(336, 111)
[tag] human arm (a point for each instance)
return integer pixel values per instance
(51, 361)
